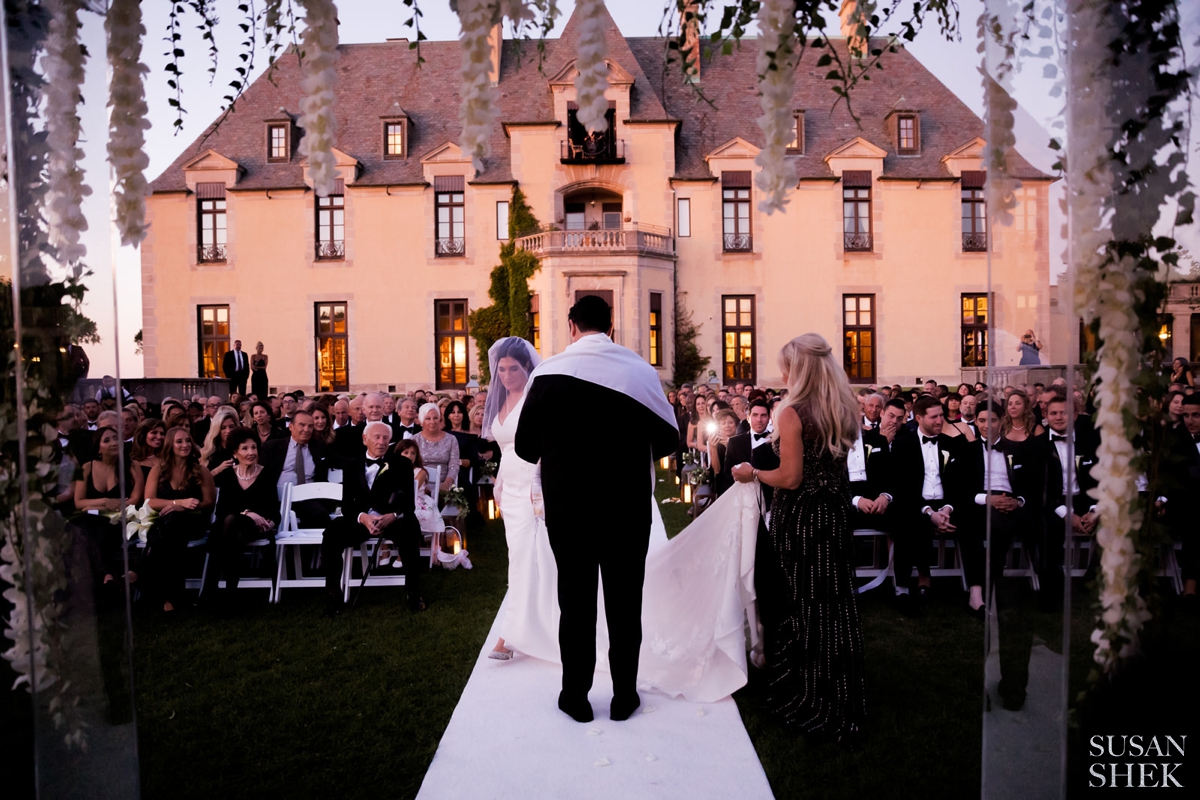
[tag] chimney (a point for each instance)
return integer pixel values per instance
(689, 29)
(495, 42)
(852, 18)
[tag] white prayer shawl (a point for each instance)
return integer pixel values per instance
(595, 358)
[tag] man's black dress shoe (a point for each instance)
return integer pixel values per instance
(623, 706)
(576, 709)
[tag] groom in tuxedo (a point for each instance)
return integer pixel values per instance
(598, 524)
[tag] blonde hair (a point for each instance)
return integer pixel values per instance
(213, 439)
(817, 383)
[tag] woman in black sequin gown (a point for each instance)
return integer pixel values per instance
(806, 595)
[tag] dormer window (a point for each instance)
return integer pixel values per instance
(278, 142)
(796, 145)
(601, 147)
(908, 134)
(395, 138)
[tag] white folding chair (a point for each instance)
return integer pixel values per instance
(292, 535)
(879, 570)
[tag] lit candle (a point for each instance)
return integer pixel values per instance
(687, 493)
(491, 509)
(666, 462)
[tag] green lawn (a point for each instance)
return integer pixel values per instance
(282, 702)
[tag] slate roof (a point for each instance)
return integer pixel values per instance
(374, 78)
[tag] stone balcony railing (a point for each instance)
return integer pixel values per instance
(636, 238)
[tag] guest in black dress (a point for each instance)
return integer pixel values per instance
(458, 425)
(263, 423)
(147, 444)
(215, 451)
(259, 385)
(811, 628)
(718, 443)
(181, 490)
(247, 509)
(98, 489)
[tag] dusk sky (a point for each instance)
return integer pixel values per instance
(954, 63)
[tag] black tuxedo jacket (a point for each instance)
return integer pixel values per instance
(1052, 472)
(274, 453)
(1023, 464)
(229, 369)
(878, 457)
(348, 441)
(392, 492)
(741, 450)
(599, 456)
(906, 471)
(1183, 473)
(200, 429)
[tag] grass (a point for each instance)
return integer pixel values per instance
(281, 702)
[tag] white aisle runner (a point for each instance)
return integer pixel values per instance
(507, 738)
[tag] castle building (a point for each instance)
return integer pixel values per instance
(884, 247)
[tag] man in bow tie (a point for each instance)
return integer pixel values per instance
(236, 366)
(870, 477)
(377, 501)
(755, 448)
(1065, 486)
(406, 411)
(1180, 515)
(872, 410)
(921, 470)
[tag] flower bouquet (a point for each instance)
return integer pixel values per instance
(455, 496)
(138, 521)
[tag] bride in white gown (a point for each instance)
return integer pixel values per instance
(697, 585)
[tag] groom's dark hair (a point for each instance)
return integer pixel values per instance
(591, 314)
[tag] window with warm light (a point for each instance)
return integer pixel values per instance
(213, 338)
(858, 344)
(974, 330)
(333, 348)
(450, 319)
(737, 331)
(393, 139)
(656, 359)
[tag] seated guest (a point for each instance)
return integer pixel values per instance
(356, 410)
(181, 490)
(287, 407)
(389, 411)
(1019, 423)
(867, 463)
(262, 423)
(718, 444)
(438, 448)
(348, 441)
(1065, 496)
(925, 505)
(298, 460)
(341, 413)
(872, 409)
(458, 425)
(377, 501)
(147, 444)
(966, 410)
(98, 489)
(740, 406)
(1000, 479)
(1181, 498)
(955, 426)
(322, 427)
(247, 509)
(406, 413)
(216, 452)
(426, 507)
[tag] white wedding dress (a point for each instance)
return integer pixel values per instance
(697, 586)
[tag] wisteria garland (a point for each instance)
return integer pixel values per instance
(776, 64)
(1105, 290)
(127, 121)
(478, 111)
(591, 82)
(63, 68)
(319, 82)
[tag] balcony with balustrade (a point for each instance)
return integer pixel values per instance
(630, 239)
(974, 242)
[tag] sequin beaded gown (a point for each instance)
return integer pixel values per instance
(812, 632)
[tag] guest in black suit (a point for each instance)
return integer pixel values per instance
(407, 425)
(924, 495)
(1062, 500)
(236, 366)
(377, 500)
(247, 509)
(1181, 498)
(870, 477)
(299, 460)
(597, 536)
(755, 449)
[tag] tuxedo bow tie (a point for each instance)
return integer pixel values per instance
(760, 436)
(1054, 437)
(928, 439)
(375, 461)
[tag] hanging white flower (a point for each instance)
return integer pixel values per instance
(776, 66)
(478, 111)
(319, 82)
(592, 81)
(127, 122)
(65, 190)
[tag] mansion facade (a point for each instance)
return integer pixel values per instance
(884, 249)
